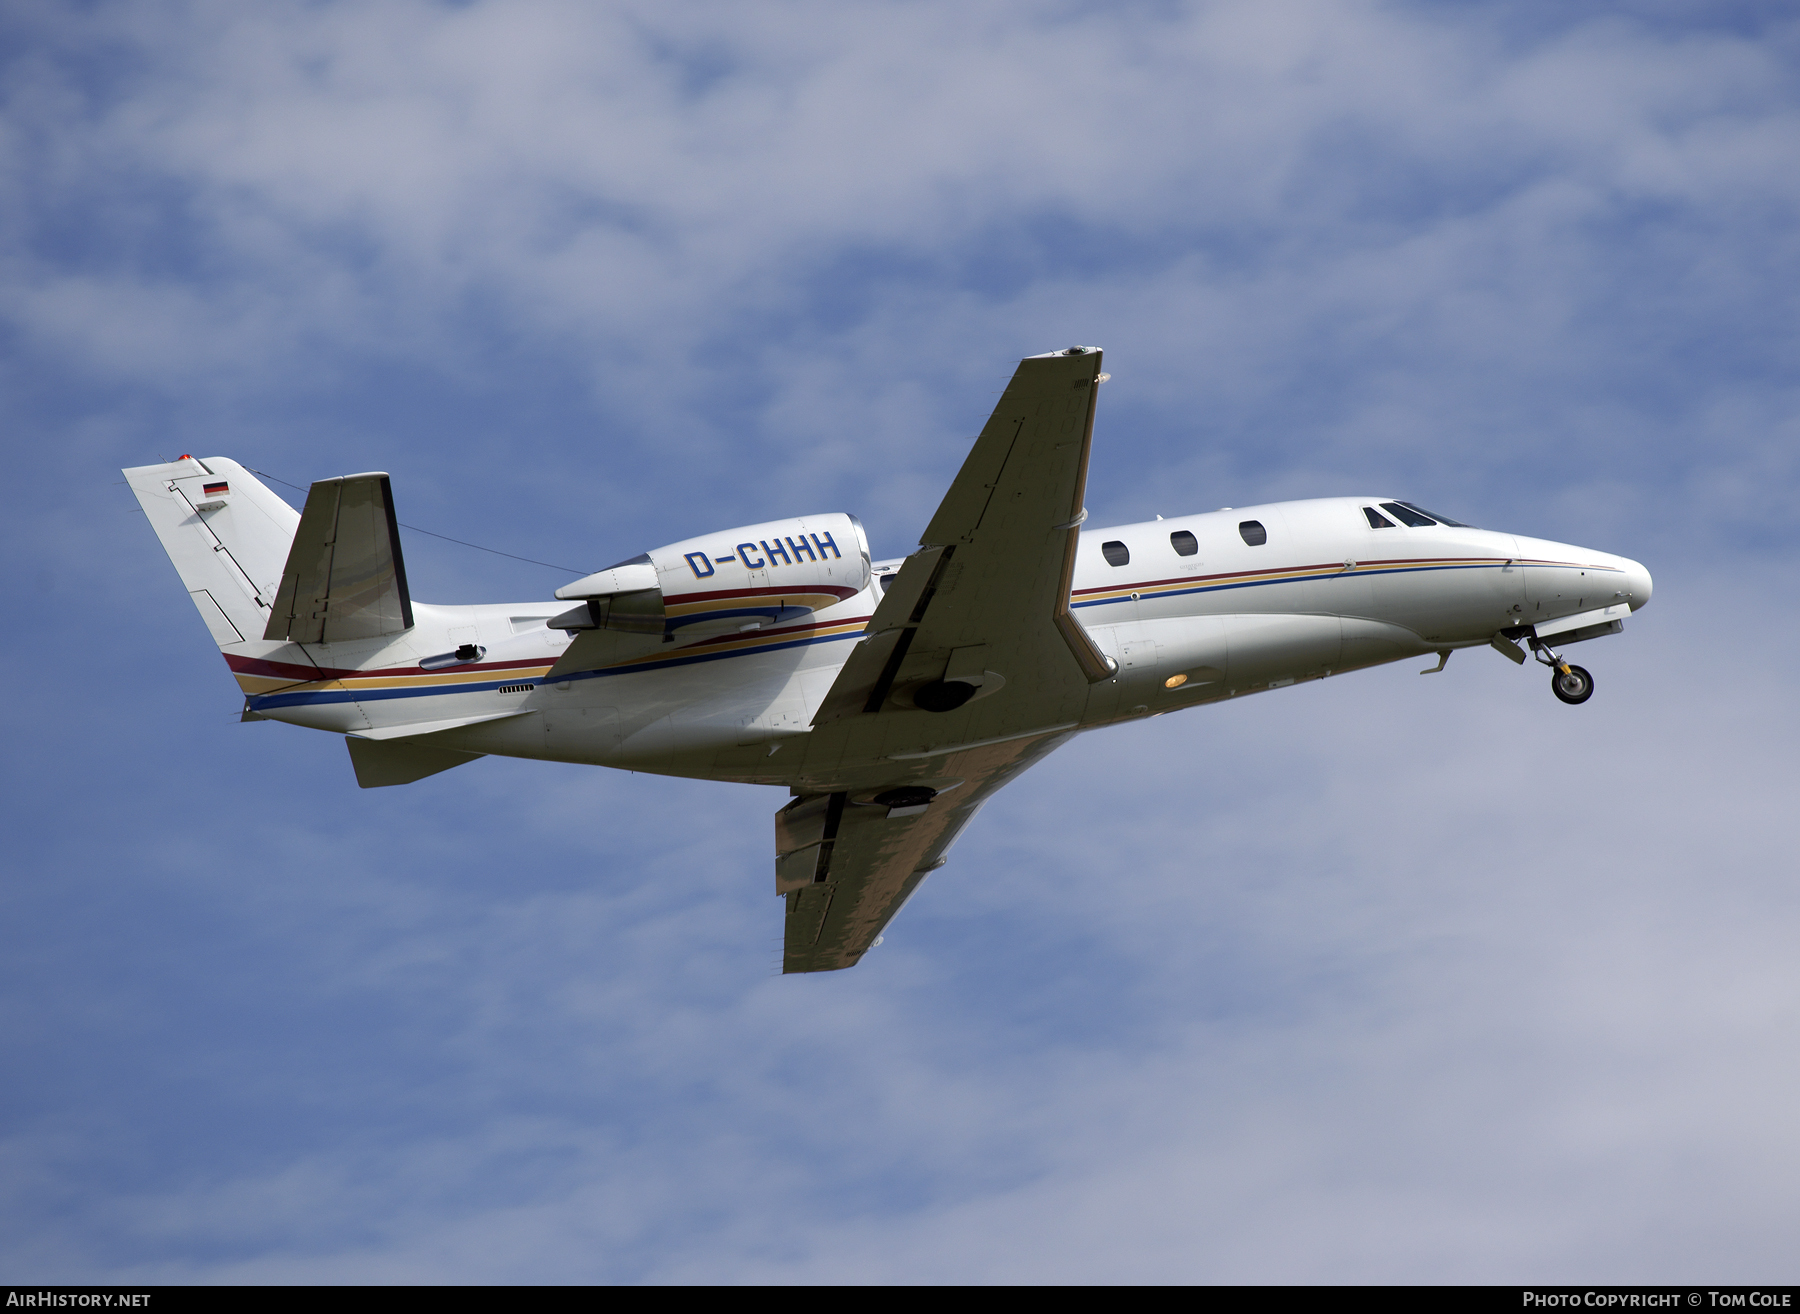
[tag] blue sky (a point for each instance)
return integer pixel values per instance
(1376, 980)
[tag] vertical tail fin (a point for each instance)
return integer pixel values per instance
(226, 533)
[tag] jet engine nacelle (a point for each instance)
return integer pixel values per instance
(736, 579)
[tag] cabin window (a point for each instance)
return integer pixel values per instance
(1442, 520)
(887, 582)
(1184, 543)
(1253, 532)
(1407, 516)
(1376, 519)
(1116, 553)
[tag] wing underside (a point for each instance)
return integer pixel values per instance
(846, 863)
(989, 586)
(972, 669)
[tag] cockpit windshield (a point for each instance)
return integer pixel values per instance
(1417, 516)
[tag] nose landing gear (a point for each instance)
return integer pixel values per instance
(1572, 684)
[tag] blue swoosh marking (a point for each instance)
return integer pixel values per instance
(1264, 583)
(325, 697)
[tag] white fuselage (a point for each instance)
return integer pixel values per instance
(1324, 594)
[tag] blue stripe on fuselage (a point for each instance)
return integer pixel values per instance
(1359, 573)
(323, 697)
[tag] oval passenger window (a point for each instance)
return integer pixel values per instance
(1254, 533)
(1115, 552)
(1184, 543)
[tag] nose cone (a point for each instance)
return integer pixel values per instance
(1637, 582)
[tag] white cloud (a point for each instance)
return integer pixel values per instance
(1387, 979)
(1321, 240)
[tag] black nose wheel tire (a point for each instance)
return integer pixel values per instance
(1575, 687)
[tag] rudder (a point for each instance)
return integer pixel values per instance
(227, 535)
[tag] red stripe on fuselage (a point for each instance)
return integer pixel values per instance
(293, 671)
(726, 595)
(766, 634)
(1328, 565)
(1201, 579)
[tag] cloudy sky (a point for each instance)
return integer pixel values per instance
(1373, 980)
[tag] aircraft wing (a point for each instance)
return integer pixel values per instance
(972, 669)
(345, 577)
(846, 863)
(989, 586)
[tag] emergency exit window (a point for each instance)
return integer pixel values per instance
(1184, 543)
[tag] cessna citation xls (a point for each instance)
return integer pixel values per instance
(892, 698)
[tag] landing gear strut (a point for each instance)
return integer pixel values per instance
(1572, 684)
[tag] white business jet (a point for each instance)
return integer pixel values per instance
(891, 698)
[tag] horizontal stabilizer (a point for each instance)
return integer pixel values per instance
(401, 762)
(345, 577)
